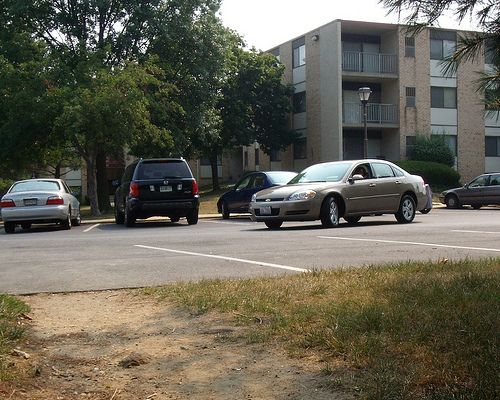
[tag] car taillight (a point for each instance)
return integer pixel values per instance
(195, 187)
(134, 189)
(54, 200)
(8, 203)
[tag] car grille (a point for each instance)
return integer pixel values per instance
(298, 212)
(265, 200)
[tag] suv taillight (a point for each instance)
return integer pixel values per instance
(195, 187)
(8, 203)
(134, 189)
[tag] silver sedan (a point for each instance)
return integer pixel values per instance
(348, 189)
(39, 201)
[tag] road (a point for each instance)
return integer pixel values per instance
(108, 256)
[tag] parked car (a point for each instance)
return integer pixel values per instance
(39, 201)
(157, 187)
(481, 191)
(348, 189)
(238, 198)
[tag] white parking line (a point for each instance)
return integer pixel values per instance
(410, 243)
(90, 228)
(463, 231)
(190, 253)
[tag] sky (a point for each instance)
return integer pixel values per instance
(264, 24)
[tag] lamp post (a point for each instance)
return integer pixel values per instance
(364, 95)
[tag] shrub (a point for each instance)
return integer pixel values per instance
(435, 174)
(432, 148)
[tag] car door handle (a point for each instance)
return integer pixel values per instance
(398, 182)
(372, 185)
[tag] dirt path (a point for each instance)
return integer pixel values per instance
(114, 345)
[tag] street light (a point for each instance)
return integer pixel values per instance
(364, 95)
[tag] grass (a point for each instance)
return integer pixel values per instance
(12, 329)
(406, 331)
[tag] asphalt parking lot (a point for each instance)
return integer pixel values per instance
(100, 255)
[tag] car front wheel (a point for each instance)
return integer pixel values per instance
(406, 212)
(451, 201)
(330, 213)
(224, 210)
(274, 224)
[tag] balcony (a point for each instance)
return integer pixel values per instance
(352, 113)
(371, 63)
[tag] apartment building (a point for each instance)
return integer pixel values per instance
(410, 95)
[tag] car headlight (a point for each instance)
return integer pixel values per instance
(254, 197)
(303, 195)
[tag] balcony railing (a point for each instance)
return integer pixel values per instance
(352, 113)
(375, 63)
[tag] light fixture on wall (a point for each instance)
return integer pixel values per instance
(315, 38)
(364, 95)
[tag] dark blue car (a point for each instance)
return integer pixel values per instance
(238, 198)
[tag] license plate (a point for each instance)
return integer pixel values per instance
(165, 189)
(265, 210)
(30, 202)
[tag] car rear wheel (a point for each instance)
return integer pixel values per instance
(406, 212)
(224, 210)
(119, 216)
(66, 224)
(330, 213)
(77, 220)
(451, 201)
(274, 224)
(9, 227)
(130, 218)
(192, 217)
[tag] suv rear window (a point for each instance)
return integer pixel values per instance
(162, 170)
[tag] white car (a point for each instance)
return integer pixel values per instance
(39, 201)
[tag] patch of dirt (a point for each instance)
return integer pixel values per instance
(114, 345)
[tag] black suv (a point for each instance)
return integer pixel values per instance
(157, 187)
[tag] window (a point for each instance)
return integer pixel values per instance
(257, 161)
(492, 146)
(411, 100)
(410, 141)
(442, 44)
(275, 155)
(299, 102)
(300, 149)
(443, 97)
(410, 46)
(382, 170)
(489, 52)
(299, 52)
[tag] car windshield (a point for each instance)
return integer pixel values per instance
(162, 170)
(325, 172)
(30, 186)
(281, 177)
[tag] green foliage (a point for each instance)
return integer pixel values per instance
(11, 327)
(435, 174)
(432, 148)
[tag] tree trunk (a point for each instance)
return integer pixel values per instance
(215, 173)
(102, 182)
(92, 187)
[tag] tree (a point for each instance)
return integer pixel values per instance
(432, 148)
(107, 113)
(422, 13)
